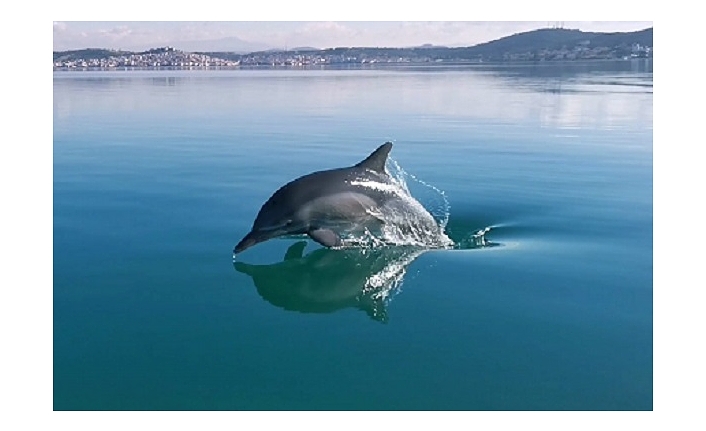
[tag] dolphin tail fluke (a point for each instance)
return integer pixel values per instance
(376, 160)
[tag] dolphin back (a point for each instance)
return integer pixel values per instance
(376, 160)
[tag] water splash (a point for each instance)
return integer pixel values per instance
(476, 240)
(433, 198)
(380, 287)
(437, 203)
(404, 221)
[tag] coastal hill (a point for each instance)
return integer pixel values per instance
(537, 45)
(555, 39)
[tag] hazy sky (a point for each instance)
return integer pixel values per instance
(191, 35)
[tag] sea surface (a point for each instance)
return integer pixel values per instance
(541, 175)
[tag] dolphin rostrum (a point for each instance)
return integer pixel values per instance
(327, 205)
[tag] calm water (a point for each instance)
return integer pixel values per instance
(157, 175)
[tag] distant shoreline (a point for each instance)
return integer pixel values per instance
(534, 47)
(365, 66)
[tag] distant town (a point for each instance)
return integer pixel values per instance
(535, 46)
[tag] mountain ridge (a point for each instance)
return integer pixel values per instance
(547, 43)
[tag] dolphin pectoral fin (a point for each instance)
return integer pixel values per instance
(325, 237)
(295, 251)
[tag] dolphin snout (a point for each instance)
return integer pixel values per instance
(248, 241)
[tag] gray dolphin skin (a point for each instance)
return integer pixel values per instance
(324, 204)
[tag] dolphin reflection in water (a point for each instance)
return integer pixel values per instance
(328, 280)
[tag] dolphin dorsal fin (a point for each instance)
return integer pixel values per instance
(376, 160)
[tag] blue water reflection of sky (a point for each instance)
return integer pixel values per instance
(589, 100)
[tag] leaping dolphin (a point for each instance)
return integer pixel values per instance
(328, 204)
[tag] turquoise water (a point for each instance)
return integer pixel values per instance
(158, 174)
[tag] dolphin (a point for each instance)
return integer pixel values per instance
(328, 204)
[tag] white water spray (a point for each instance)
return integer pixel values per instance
(405, 221)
